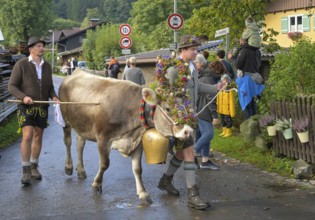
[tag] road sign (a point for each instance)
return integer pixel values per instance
(221, 32)
(125, 51)
(125, 29)
(175, 21)
(125, 42)
(173, 46)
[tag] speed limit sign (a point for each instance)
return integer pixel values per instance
(125, 29)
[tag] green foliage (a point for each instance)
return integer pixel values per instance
(264, 159)
(91, 13)
(117, 11)
(21, 19)
(8, 131)
(225, 13)
(61, 24)
(292, 71)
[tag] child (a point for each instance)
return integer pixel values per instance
(252, 33)
(226, 107)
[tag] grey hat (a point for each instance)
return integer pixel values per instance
(33, 40)
(188, 41)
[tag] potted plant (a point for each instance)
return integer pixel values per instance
(268, 121)
(301, 127)
(285, 126)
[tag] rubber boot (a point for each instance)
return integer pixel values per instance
(35, 173)
(166, 184)
(228, 132)
(194, 201)
(223, 132)
(26, 176)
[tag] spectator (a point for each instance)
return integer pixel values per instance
(113, 66)
(134, 74)
(251, 34)
(205, 131)
(227, 65)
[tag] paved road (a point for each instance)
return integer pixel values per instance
(237, 191)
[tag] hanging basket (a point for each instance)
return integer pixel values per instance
(303, 136)
(271, 130)
(287, 133)
(155, 146)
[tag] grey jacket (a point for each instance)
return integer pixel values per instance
(134, 74)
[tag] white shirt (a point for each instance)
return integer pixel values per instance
(38, 67)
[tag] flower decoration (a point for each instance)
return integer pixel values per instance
(301, 125)
(267, 120)
(283, 123)
(171, 77)
(295, 35)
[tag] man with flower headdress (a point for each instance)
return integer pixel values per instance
(178, 86)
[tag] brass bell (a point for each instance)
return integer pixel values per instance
(155, 146)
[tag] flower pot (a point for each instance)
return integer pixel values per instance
(303, 136)
(287, 133)
(271, 130)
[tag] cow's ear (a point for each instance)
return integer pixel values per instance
(149, 96)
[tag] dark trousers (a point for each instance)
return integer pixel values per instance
(250, 110)
(226, 121)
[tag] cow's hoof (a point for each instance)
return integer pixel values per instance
(68, 171)
(97, 190)
(82, 175)
(145, 199)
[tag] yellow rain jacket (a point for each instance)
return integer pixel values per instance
(226, 103)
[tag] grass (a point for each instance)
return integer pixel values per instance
(8, 131)
(264, 159)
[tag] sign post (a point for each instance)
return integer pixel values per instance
(221, 32)
(125, 41)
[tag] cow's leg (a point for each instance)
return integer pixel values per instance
(137, 172)
(103, 165)
(67, 141)
(80, 147)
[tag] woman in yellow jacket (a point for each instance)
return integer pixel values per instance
(226, 107)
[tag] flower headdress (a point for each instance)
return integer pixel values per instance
(171, 77)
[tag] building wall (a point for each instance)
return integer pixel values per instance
(273, 20)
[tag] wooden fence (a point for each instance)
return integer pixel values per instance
(5, 107)
(299, 108)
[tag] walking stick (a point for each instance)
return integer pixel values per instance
(61, 103)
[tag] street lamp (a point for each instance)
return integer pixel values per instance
(52, 50)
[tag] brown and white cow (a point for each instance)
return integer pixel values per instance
(114, 124)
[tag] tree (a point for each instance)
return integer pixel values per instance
(225, 13)
(21, 19)
(91, 13)
(60, 24)
(117, 11)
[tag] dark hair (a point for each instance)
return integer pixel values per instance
(217, 67)
(221, 54)
(205, 54)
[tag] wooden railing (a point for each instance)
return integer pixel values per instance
(5, 107)
(300, 107)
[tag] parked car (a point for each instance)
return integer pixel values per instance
(82, 64)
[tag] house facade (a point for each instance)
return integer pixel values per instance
(290, 16)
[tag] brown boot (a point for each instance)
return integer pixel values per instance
(166, 184)
(35, 173)
(194, 201)
(26, 176)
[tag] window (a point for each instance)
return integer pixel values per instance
(295, 23)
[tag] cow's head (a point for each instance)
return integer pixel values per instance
(163, 122)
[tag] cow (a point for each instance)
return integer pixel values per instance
(113, 124)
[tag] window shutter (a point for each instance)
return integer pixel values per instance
(284, 25)
(314, 22)
(306, 23)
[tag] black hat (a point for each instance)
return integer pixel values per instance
(33, 40)
(188, 41)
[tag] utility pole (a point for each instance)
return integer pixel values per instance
(175, 32)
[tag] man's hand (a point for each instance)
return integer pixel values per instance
(56, 100)
(27, 100)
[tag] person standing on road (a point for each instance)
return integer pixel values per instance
(31, 79)
(185, 149)
(133, 73)
(208, 115)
